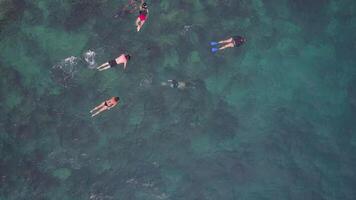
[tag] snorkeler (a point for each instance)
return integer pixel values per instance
(234, 41)
(142, 17)
(177, 84)
(106, 105)
(122, 59)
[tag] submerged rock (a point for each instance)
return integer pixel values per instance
(194, 57)
(62, 173)
(10, 10)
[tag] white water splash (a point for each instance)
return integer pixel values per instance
(148, 186)
(65, 70)
(67, 65)
(89, 57)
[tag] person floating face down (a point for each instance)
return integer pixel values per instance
(142, 16)
(122, 59)
(177, 84)
(106, 105)
(234, 41)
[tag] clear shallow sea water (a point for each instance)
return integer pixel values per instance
(273, 119)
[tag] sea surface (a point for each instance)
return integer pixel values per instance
(274, 119)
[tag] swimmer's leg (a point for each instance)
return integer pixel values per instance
(139, 26)
(104, 68)
(103, 65)
(137, 22)
(225, 41)
(229, 45)
(99, 106)
(96, 108)
(99, 111)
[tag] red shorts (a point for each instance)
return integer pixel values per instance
(142, 17)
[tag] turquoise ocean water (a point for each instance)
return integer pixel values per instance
(272, 119)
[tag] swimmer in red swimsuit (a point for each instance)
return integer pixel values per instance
(142, 17)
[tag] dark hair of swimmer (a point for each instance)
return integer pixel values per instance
(239, 40)
(144, 5)
(242, 40)
(175, 83)
(128, 57)
(117, 99)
